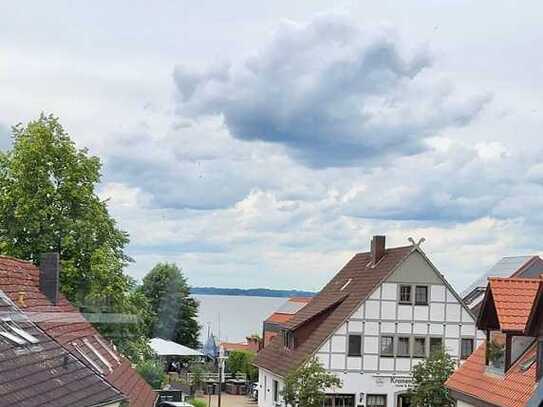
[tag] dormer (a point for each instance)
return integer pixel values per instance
(508, 316)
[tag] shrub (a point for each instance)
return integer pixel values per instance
(198, 403)
(153, 372)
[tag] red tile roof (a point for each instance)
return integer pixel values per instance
(513, 389)
(64, 323)
(513, 299)
(329, 309)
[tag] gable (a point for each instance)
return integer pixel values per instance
(415, 269)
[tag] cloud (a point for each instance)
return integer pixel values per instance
(332, 93)
(5, 137)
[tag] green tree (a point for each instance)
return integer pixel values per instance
(306, 386)
(48, 203)
(429, 377)
(242, 362)
(175, 311)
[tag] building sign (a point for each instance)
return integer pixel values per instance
(403, 382)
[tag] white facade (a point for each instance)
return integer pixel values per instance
(383, 318)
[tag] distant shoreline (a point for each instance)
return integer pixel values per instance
(251, 292)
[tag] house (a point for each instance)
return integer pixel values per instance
(35, 292)
(252, 345)
(513, 266)
(272, 325)
(35, 370)
(381, 314)
(505, 370)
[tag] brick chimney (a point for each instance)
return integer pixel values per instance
(49, 275)
(377, 249)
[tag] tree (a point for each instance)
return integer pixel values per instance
(429, 377)
(48, 203)
(242, 362)
(306, 386)
(174, 310)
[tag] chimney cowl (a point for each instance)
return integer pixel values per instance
(377, 248)
(49, 276)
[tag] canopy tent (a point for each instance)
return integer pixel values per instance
(163, 347)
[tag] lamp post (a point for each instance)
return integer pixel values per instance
(221, 358)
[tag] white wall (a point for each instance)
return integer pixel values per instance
(461, 403)
(265, 389)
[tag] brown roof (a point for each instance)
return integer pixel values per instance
(314, 323)
(514, 299)
(64, 323)
(513, 389)
(45, 373)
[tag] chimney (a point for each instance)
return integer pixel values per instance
(49, 275)
(377, 249)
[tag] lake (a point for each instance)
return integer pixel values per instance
(234, 317)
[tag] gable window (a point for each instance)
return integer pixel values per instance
(467, 348)
(405, 294)
(387, 346)
(403, 346)
(275, 389)
(436, 344)
(419, 347)
(355, 345)
(421, 295)
(376, 400)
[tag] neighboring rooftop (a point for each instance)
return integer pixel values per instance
(20, 280)
(288, 309)
(506, 267)
(38, 371)
(513, 299)
(513, 389)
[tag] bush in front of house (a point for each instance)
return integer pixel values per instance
(198, 403)
(153, 372)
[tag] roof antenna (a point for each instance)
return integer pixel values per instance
(416, 245)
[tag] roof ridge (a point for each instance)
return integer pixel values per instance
(516, 279)
(388, 249)
(4, 256)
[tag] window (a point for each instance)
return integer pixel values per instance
(355, 345)
(387, 346)
(467, 348)
(275, 389)
(419, 347)
(376, 400)
(436, 344)
(288, 339)
(405, 294)
(403, 346)
(421, 295)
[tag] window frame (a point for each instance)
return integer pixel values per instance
(424, 354)
(406, 302)
(401, 355)
(386, 355)
(425, 302)
(275, 390)
(359, 350)
(384, 396)
(433, 338)
(462, 341)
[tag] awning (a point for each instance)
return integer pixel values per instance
(163, 347)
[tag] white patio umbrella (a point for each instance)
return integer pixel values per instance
(163, 347)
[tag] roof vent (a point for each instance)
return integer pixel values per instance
(377, 249)
(49, 274)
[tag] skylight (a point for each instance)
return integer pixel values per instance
(23, 334)
(13, 338)
(98, 355)
(101, 342)
(89, 360)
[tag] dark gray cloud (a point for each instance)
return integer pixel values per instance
(332, 93)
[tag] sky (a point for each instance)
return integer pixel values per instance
(263, 144)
